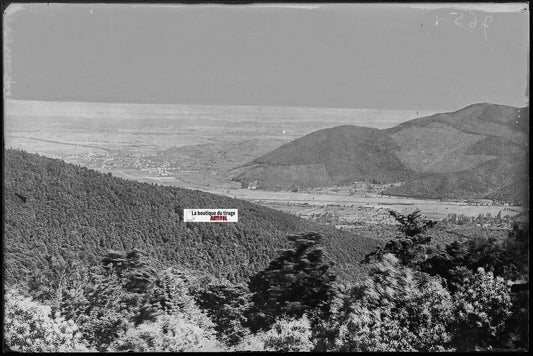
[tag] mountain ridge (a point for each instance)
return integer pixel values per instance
(426, 153)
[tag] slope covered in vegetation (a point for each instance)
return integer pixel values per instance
(469, 295)
(480, 151)
(67, 212)
(347, 153)
(503, 179)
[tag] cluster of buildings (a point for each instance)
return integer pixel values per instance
(122, 160)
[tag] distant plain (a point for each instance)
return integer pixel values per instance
(199, 147)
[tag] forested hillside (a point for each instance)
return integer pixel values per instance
(480, 151)
(66, 212)
(467, 295)
(339, 155)
(504, 179)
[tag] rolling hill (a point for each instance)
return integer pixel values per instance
(480, 151)
(327, 157)
(66, 212)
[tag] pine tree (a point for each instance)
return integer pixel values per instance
(411, 244)
(295, 283)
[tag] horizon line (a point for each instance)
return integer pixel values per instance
(258, 106)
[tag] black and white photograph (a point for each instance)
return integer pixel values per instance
(265, 177)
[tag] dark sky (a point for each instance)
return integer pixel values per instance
(353, 56)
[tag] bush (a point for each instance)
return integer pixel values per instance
(289, 335)
(483, 305)
(286, 335)
(30, 327)
(169, 333)
(395, 309)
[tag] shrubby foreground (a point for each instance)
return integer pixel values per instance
(416, 297)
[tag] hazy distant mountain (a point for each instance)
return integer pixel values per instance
(478, 151)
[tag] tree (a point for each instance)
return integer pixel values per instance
(48, 283)
(412, 224)
(411, 244)
(294, 283)
(517, 326)
(102, 308)
(168, 294)
(507, 258)
(226, 305)
(111, 297)
(132, 268)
